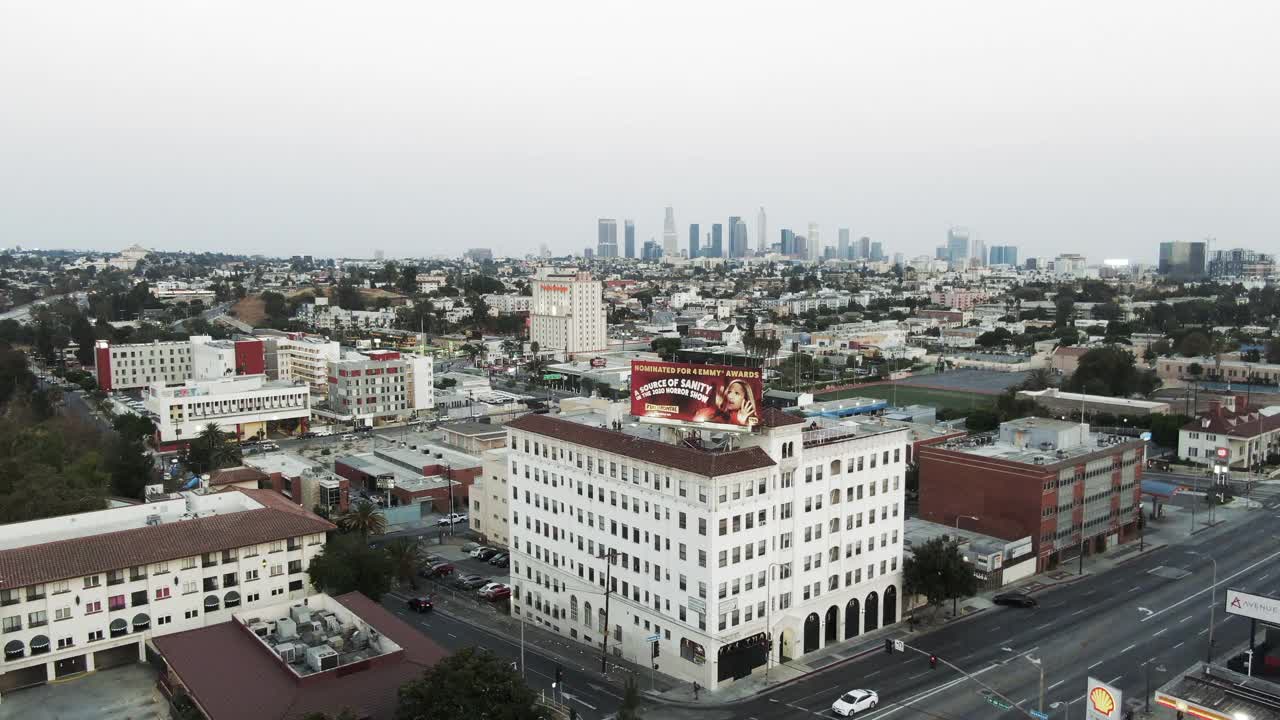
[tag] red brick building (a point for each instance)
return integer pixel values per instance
(1071, 490)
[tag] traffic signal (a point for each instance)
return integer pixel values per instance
(888, 646)
(933, 662)
(559, 676)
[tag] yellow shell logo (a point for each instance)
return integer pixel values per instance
(1102, 701)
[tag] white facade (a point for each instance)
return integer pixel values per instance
(138, 365)
(508, 304)
(102, 614)
(490, 506)
(568, 314)
(320, 314)
(780, 554)
(238, 405)
(383, 384)
(306, 358)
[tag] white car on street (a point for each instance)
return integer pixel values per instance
(451, 519)
(855, 701)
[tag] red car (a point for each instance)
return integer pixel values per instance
(421, 604)
(501, 592)
(439, 569)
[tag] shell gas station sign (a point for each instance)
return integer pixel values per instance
(1101, 701)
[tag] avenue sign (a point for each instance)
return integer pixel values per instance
(1258, 607)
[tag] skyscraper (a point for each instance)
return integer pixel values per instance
(717, 241)
(762, 232)
(788, 248)
(843, 244)
(1182, 259)
(864, 248)
(651, 250)
(958, 247)
(629, 237)
(695, 240)
(813, 243)
(877, 252)
(1003, 255)
(670, 243)
(607, 242)
(801, 246)
(979, 251)
(737, 237)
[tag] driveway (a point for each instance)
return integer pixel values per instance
(124, 693)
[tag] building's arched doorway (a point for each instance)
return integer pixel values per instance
(831, 626)
(811, 633)
(871, 612)
(851, 619)
(890, 605)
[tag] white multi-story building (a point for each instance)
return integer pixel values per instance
(508, 304)
(87, 592)
(380, 384)
(306, 358)
(490, 507)
(241, 406)
(568, 315)
(731, 559)
(320, 314)
(124, 367)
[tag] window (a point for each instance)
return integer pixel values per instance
(12, 623)
(115, 602)
(95, 636)
(92, 581)
(65, 642)
(250, 575)
(62, 613)
(93, 607)
(162, 593)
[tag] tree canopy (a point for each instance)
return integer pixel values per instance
(938, 571)
(1111, 371)
(471, 683)
(348, 563)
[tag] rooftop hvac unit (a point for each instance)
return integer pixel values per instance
(259, 629)
(300, 614)
(1038, 460)
(332, 624)
(322, 658)
(286, 629)
(153, 520)
(287, 652)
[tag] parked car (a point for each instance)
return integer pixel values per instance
(437, 569)
(364, 428)
(308, 435)
(855, 701)
(1015, 599)
(421, 604)
(501, 560)
(475, 552)
(497, 591)
(452, 518)
(470, 582)
(484, 589)
(347, 437)
(468, 547)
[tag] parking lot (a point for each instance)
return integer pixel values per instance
(463, 564)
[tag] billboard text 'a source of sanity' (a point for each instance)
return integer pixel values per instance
(712, 395)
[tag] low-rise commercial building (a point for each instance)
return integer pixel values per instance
(89, 591)
(1248, 436)
(245, 407)
(378, 385)
(126, 367)
(1069, 489)
(431, 477)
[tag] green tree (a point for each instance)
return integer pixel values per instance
(406, 557)
(471, 683)
(994, 338)
(1111, 371)
(407, 283)
(130, 465)
(937, 570)
(347, 564)
(1195, 344)
(665, 347)
(363, 518)
(211, 450)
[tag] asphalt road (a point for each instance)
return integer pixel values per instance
(582, 689)
(1150, 614)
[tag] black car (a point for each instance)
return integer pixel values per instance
(471, 582)
(421, 604)
(501, 560)
(1015, 599)
(488, 554)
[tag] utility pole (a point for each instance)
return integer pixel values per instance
(608, 588)
(1213, 593)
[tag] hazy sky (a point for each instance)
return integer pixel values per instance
(337, 128)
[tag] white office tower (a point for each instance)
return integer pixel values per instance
(815, 246)
(979, 251)
(670, 244)
(568, 313)
(762, 232)
(727, 555)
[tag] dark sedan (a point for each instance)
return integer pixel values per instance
(421, 604)
(1015, 599)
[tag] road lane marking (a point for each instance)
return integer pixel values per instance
(913, 677)
(1160, 632)
(1080, 612)
(452, 635)
(926, 694)
(1041, 627)
(1128, 649)
(1056, 684)
(1113, 680)
(1175, 647)
(1201, 633)
(1185, 619)
(1212, 588)
(1096, 664)
(1135, 588)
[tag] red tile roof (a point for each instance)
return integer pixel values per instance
(235, 475)
(278, 519)
(233, 676)
(773, 417)
(700, 462)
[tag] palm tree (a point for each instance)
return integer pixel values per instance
(472, 351)
(406, 556)
(365, 518)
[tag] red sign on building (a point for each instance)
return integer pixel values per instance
(714, 395)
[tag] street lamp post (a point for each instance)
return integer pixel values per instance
(1213, 592)
(955, 601)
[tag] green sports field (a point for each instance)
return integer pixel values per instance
(958, 400)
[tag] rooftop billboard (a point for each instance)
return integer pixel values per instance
(712, 396)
